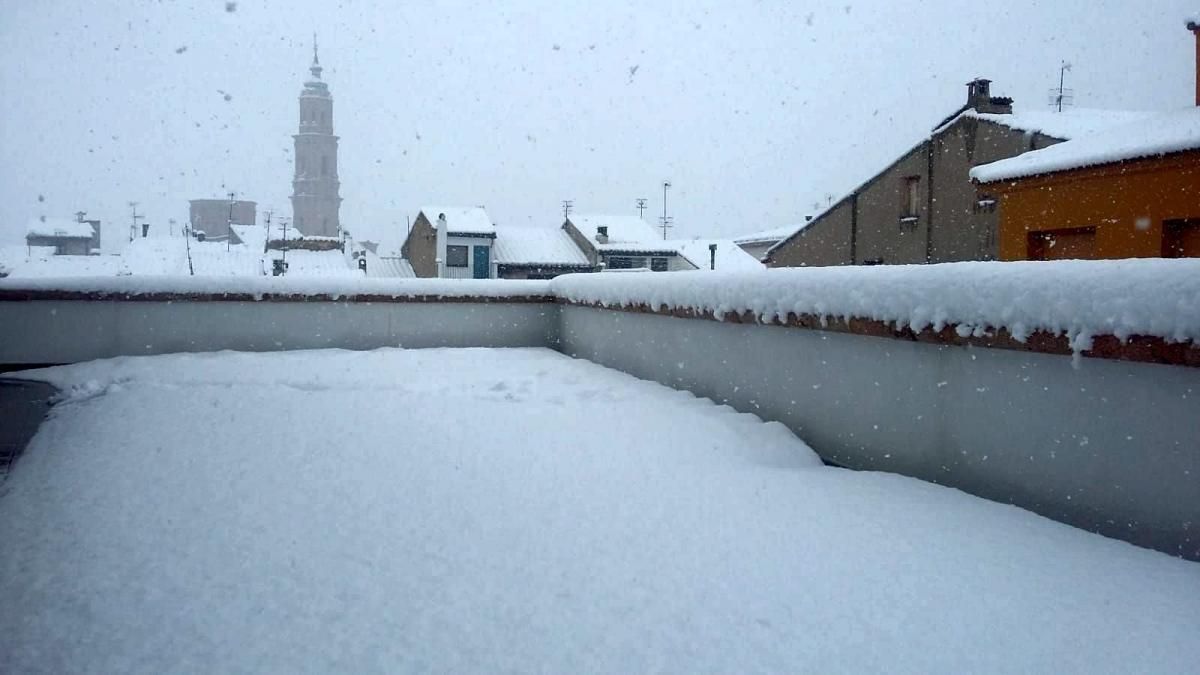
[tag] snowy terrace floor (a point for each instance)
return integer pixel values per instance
(517, 510)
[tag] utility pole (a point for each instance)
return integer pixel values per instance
(666, 220)
(568, 204)
(135, 218)
(641, 206)
(267, 240)
(229, 225)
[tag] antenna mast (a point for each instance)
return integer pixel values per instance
(1062, 96)
(665, 222)
(567, 204)
(641, 207)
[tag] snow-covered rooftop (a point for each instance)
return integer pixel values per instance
(765, 236)
(730, 257)
(59, 227)
(337, 511)
(388, 267)
(1069, 123)
(1148, 137)
(622, 230)
(461, 219)
(536, 246)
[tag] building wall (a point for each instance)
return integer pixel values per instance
(868, 227)
(1126, 203)
(825, 241)
(881, 236)
(585, 242)
(962, 228)
(211, 216)
(420, 248)
(62, 245)
(534, 272)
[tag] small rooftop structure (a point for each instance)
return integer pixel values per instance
(470, 220)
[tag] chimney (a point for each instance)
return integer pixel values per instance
(979, 97)
(145, 229)
(1194, 26)
(602, 234)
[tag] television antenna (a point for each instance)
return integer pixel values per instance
(1062, 96)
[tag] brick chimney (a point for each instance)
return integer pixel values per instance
(1194, 26)
(979, 97)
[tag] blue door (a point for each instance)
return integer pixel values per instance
(483, 262)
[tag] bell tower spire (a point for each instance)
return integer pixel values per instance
(315, 186)
(315, 68)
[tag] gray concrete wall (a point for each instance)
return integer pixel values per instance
(65, 331)
(1109, 446)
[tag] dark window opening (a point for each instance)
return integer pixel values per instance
(456, 256)
(912, 197)
(658, 264)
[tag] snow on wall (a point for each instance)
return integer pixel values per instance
(258, 287)
(1079, 298)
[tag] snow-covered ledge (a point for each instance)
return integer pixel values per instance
(1135, 310)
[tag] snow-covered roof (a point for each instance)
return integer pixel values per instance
(622, 230)
(536, 246)
(301, 263)
(388, 267)
(764, 236)
(730, 256)
(461, 219)
(59, 227)
(1068, 124)
(1157, 135)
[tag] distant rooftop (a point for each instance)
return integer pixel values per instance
(461, 219)
(537, 246)
(59, 227)
(622, 230)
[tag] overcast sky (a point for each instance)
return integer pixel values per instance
(753, 110)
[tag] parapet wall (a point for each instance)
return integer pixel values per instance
(1078, 399)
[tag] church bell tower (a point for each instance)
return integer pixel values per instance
(315, 200)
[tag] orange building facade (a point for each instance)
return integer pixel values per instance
(1143, 208)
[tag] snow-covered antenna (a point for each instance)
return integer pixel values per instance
(568, 204)
(641, 207)
(1062, 96)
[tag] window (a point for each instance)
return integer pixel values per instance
(456, 256)
(620, 263)
(912, 197)
(324, 166)
(658, 264)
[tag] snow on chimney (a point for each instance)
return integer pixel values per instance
(979, 97)
(601, 234)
